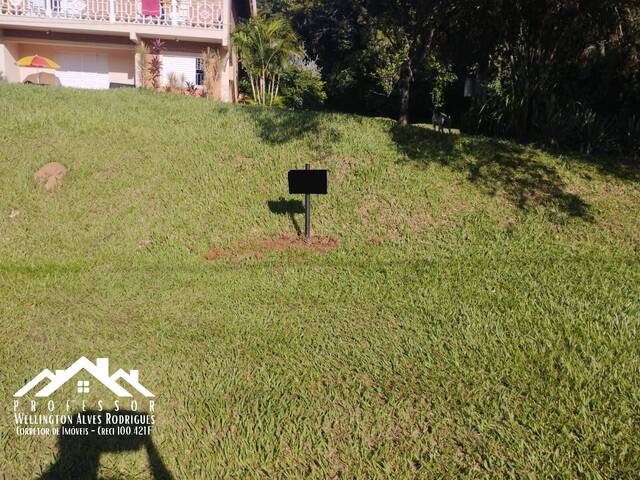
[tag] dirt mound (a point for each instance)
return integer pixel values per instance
(50, 175)
(321, 245)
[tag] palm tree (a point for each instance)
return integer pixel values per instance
(266, 47)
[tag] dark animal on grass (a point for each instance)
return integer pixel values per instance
(441, 121)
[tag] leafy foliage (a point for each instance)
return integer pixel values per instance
(175, 82)
(302, 86)
(443, 77)
(553, 71)
(266, 47)
(565, 76)
(155, 64)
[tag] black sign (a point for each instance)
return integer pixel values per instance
(308, 181)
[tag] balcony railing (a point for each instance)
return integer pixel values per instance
(176, 13)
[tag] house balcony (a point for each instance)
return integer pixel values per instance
(195, 20)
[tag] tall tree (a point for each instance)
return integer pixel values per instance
(374, 48)
(411, 27)
(552, 70)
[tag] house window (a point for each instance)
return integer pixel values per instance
(199, 71)
(83, 386)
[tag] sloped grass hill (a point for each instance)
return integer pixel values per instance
(478, 316)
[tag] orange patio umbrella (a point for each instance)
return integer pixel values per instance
(37, 61)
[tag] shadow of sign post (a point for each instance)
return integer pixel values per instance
(287, 207)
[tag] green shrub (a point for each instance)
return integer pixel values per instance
(303, 87)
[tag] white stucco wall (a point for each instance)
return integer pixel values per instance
(9, 53)
(181, 64)
(120, 61)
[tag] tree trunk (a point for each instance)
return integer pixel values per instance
(253, 87)
(406, 76)
(277, 86)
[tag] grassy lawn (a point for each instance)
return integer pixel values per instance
(478, 318)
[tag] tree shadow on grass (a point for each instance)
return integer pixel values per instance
(495, 166)
(79, 455)
(623, 168)
(289, 208)
(278, 126)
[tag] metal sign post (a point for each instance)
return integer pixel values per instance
(308, 181)
(307, 211)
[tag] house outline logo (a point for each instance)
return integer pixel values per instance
(99, 371)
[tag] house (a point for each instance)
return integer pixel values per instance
(94, 41)
(99, 371)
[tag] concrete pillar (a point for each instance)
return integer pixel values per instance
(137, 81)
(225, 93)
(9, 71)
(234, 75)
(3, 59)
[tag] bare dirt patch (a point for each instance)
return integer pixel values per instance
(50, 175)
(215, 254)
(320, 245)
(105, 174)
